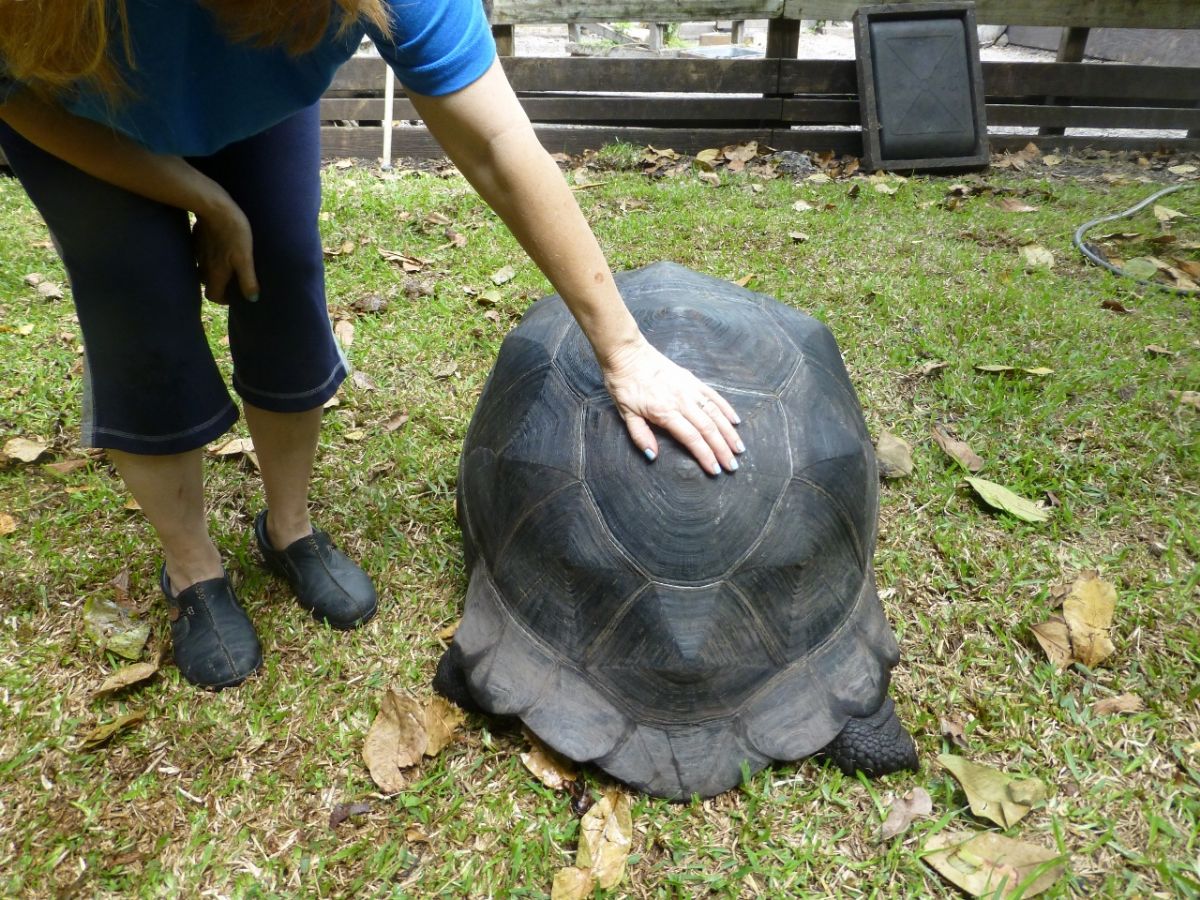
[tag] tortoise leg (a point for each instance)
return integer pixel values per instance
(450, 679)
(875, 745)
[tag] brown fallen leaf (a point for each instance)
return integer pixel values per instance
(1011, 204)
(442, 721)
(396, 741)
(992, 865)
(127, 676)
(992, 794)
(445, 369)
(931, 367)
(233, 447)
(396, 422)
(371, 303)
(1186, 398)
(1165, 214)
(343, 329)
(894, 455)
(1035, 256)
(345, 248)
(1123, 703)
(745, 280)
(1116, 306)
(605, 839)
(415, 835)
(551, 769)
(957, 450)
(50, 290)
(1055, 641)
(916, 804)
(66, 466)
(363, 382)
(503, 275)
(102, 734)
(344, 811)
(951, 728)
(33, 279)
(1088, 611)
(798, 237)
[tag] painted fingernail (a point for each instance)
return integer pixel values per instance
(737, 420)
(716, 469)
(650, 454)
(739, 447)
(253, 298)
(733, 465)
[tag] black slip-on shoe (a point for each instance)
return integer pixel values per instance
(326, 582)
(214, 642)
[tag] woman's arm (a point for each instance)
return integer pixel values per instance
(486, 132)
(227, 249)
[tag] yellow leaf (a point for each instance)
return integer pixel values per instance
(1055, 641)
(1166, 214)
(7, 524)
(1036, 256)
(894, 455)
(126, 676)
(103, 733)
(993, 794)
(605, 839)
(993, 865)
(24, 450)
(344, 330)
(1088, 611)
(572, 884)
(442, 721)
(551, 769)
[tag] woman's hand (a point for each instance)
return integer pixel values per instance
(650, 389)
(224, 250)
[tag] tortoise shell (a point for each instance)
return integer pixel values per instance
(668, 625)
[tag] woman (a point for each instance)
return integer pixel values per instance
(120, 117)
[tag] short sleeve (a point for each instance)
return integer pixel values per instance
(437, 46)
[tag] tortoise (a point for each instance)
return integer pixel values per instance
(671, 626)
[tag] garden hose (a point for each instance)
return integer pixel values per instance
(1095, 257)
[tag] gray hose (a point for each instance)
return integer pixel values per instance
(1091, 254)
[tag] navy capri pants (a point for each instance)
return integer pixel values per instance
(151, 384)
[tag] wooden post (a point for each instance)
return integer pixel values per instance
(737, 31)
(655, 40)
(783, 38)
(506, 39)
(1070, 49)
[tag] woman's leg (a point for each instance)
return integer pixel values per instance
(286, 444)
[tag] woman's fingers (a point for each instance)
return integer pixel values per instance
(642, 436)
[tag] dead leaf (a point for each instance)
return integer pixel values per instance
(126, 676)
(344, 811)
(1036, 256)
(396, 741)
(798, 237)
(745, 280)
(343, 329)
(1185, 169)
(456, 238)
(916, 804)
(1142, 267)
(894, 455)
(951, 729)
(1051, 159)
(234, 447)
(550, 768)
(1186, 398)
(1088, 611)
(573, 884)
(883, 188)
(957, 450)
(931, 367)
(415, 836)
(447, 633)
(1011, 204)
(396, 422)
(992, 794)
(102, 734)
(66, 466)
(347, 247)
(7, 524)
(999, 497)
(33, 279)
(1156, 350)
(712, 179)
(112, 628)
(24, 450)
(363, 382)
(445, 369)
(503, 275)
(708, 155)
(802, 206)
(1165, 214)
(49, 290)
(1115, 306)
(1124, 703)
(355, 436)
(442, 721)
(1055, 641)
(605, 839)
(406, 262)
(992, 865)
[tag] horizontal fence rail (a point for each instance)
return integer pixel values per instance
(789, 104)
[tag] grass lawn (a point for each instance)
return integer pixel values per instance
(230, 794)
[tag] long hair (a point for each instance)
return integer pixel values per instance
(53, 45)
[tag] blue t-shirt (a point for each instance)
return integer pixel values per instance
(193, 91)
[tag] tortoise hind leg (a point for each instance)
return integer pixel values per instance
(876, 745)
(451, 680)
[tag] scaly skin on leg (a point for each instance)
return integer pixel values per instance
(170, 490)
(286, 444)
(876, 745)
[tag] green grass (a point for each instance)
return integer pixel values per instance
(231, 793)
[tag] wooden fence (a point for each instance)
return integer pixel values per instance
(782, 101)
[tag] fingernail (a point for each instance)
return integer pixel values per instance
(650, 454)
(733, 465)
(716, 469)
(739, 447)
(737, 420)
(253, 298)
